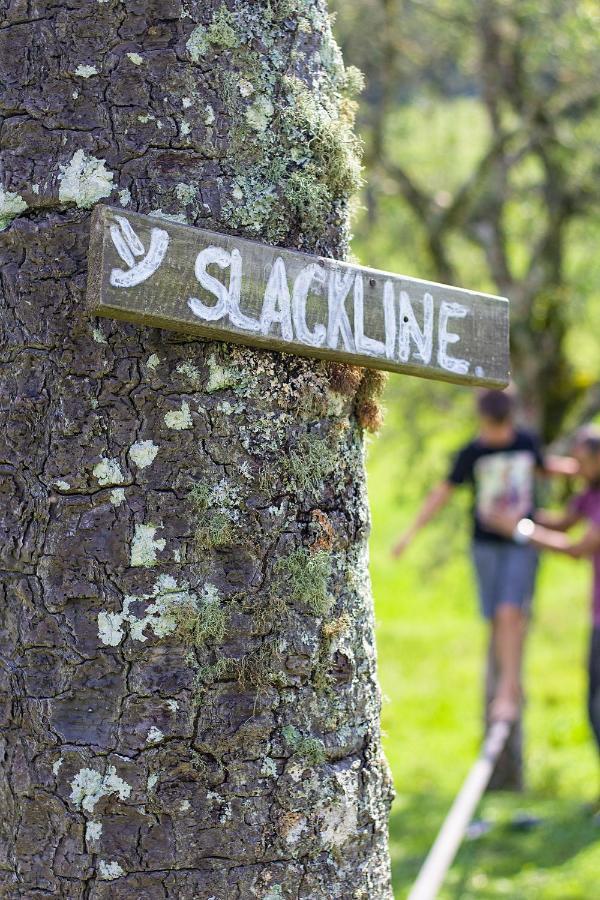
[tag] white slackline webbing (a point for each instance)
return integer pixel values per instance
(451, 833)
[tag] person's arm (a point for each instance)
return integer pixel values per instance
(526, 531)
(433, 503)
(566, 466)
(548, 539)
(557, 521)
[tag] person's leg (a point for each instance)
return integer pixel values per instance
(490, 559)
(511, 618)
(594, 684)
(486, 562)
(509, 629)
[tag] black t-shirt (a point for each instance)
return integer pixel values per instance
(502, 478)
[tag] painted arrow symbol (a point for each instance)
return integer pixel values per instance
(128, 246)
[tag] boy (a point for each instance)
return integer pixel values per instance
(547, 533)
(500, 465)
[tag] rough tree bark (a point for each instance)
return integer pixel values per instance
(190, 703)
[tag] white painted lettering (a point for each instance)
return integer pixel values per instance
(204, 259)
(276, 302)
(409, 329)
(364, 344)
(340, 282)
(237, 317)
(316, 337)
(389, 313)
(445, 337)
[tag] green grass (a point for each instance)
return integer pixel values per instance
(431, 644)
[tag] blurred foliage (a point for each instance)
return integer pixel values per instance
(481, 121)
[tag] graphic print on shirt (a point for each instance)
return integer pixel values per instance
(505, 483)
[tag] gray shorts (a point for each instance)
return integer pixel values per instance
(506, 573)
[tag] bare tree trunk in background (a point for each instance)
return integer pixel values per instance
(385, 84)
(190, 698)
(508, 771)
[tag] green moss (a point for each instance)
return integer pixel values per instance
(310, 749)
(283, 9)
(222, 31)
(269, 612)
(308, 197)
(260, 667)
(259, 114)
(199, 763)
(197, 43)
(307, 162)
(209, 673)
(334, 147)
(257, 669)
(214, 530)
(311, 461)
(303, 577)
(214, 527)
(200, 496)
(321, 678)
(201, 621)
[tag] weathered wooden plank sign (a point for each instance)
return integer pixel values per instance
(159, 273)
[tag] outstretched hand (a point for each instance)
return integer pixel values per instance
(502, 523)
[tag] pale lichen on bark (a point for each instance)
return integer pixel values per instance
(176, 722)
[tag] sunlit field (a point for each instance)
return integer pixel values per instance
(431, 644)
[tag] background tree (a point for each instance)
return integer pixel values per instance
(508, 217)
(480, 122)
(190, 701)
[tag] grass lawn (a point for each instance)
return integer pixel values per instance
(431, 642)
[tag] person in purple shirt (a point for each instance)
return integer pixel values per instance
(547, 531)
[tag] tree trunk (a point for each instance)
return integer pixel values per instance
(190, 698)
(508, 771)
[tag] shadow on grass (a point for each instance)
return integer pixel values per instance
(502, 854)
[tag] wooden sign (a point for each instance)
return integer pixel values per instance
(159, 273)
